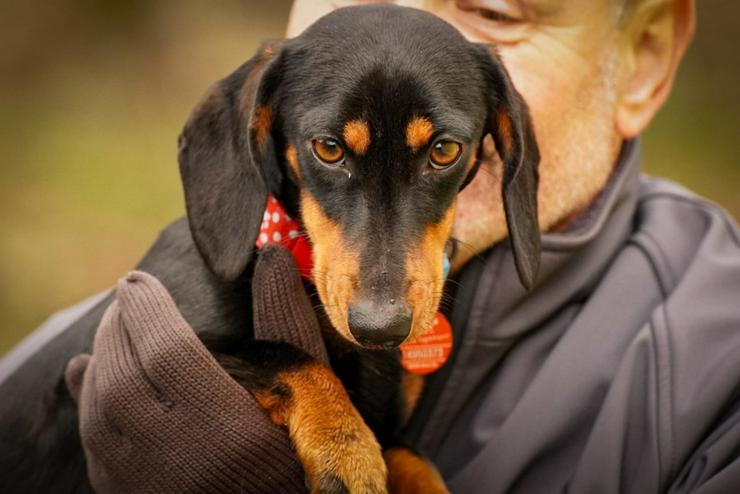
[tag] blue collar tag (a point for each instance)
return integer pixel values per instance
(445, 265)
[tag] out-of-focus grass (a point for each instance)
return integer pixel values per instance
(94, 93)
(91, 103)
(694, 138)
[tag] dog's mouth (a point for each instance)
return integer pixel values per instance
(384, 321)
(378, 307)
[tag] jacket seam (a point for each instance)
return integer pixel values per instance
(664, 409)
(663, 359)
(671, 391)
(658, 259)
(650, 258)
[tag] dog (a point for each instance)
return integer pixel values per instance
(365, 127)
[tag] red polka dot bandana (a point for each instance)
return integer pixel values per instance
(279, 228)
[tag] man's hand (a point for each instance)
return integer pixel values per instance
(158, 414)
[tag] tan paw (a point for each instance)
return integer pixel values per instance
(408, 473)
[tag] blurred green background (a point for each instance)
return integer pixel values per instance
(93, 94)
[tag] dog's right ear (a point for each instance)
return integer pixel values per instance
(228, 163)
(511, 127)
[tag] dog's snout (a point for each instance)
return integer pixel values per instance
(376, 324)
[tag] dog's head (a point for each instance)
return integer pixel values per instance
(366, 126)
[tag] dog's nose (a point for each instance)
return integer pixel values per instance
(379, 325)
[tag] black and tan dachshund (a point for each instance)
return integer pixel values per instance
(365, 127)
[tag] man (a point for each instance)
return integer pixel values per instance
(620, 371)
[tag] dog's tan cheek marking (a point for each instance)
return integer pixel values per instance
(424, 272)
(418, 132)
(329, 434)
(262, 123)
(336, 265)
(356, 135)
(408, 473)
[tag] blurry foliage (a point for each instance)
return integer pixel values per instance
(693, 140)
(93, 94)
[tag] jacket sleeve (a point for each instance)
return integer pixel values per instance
(702, 339)
(715, 466)
(670, 421)
(39, 442)
(53, 327)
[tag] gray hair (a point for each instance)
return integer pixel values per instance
(623, 9)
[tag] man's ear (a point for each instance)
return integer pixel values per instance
(509, 124)
(228, 163)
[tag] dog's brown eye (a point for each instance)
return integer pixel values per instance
(444, 154)
(328, 151)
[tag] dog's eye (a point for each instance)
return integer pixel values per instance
(444, 154)
(328, 151)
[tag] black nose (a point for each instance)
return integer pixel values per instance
(379, 325)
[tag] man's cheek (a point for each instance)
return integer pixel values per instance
(545, 71)
(553, 79)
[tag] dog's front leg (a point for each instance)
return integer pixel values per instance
(410, 473)
(386, 397)
(338, 451)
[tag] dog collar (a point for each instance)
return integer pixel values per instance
(279, 228)
(423, 355)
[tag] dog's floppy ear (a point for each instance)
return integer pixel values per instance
(228, 163)
(509, 124)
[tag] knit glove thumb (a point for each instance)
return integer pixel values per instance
(157, 414)
(282, 310)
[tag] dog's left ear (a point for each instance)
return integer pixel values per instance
(228, 163)
(509, 124)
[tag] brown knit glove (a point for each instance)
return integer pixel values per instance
(282, 310)
(158, 414)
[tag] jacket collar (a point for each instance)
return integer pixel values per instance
(622, 186)
(572, 261)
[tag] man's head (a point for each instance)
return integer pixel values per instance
(368, 124)
(593, 72)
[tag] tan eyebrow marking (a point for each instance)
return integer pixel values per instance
(418, 132)
(357, 136)
(291, 155)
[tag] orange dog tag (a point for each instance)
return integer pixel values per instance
(430, 351)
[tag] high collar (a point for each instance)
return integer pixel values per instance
(572, 261)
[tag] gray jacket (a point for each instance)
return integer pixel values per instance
(619, 373)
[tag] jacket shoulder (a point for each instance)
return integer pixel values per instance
(694, 248)
(687, 239)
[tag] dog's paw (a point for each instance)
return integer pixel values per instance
(338, 451)
(347, 459)
(409, 473)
